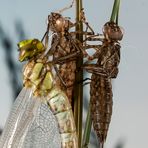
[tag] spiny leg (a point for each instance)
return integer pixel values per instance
(58, 74)
(95, 69)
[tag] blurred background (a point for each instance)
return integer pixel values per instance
(27, 19)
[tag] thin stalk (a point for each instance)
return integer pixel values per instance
(115, 11)
(78, 90)
(87, 130)
(117, 16)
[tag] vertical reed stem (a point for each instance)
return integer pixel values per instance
(78, 90)
(87, 130)
(115, 11)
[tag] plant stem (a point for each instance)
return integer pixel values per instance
(87, 130)
(117, 16)
(78, 89)
(115, 11)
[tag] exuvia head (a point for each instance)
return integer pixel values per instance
(58, 23)
(112, 31)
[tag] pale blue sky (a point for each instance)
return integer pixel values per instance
(129, 120)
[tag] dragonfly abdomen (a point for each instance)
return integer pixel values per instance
(67, 69)
(101, 105)
(67, 72)
(61, 108)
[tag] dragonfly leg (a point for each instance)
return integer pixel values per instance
(79, 82)
(94, 68)
(79, 48)
(114, 72)
(84, 81)
(58, 74)
(67, 58)
(94, 37)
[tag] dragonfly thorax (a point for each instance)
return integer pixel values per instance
(38, 75)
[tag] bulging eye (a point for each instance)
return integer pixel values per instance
(112, 31)
(34, 42)
(60, 23)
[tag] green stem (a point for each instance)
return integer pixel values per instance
(117, 16)
(78, 89)
(115, 11)
(87, 130)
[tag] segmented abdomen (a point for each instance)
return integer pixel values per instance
(68, 68)
(61, 108)
(67, 73)
(101, 105)
(40, 78)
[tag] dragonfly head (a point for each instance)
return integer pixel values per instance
(112, 31)
(29, 49)
(58, 23)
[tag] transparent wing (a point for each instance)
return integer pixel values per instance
(30, 124)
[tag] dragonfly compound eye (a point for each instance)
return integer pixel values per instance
(112, 31)
(56, 22)
(60, 24)
(29, 49)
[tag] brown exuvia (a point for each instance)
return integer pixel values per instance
(65, 49)
(106, 68)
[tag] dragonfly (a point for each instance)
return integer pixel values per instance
(103, 71)
(41, 115)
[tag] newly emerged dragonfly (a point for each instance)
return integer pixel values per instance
(106, 68)
(41, 116)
